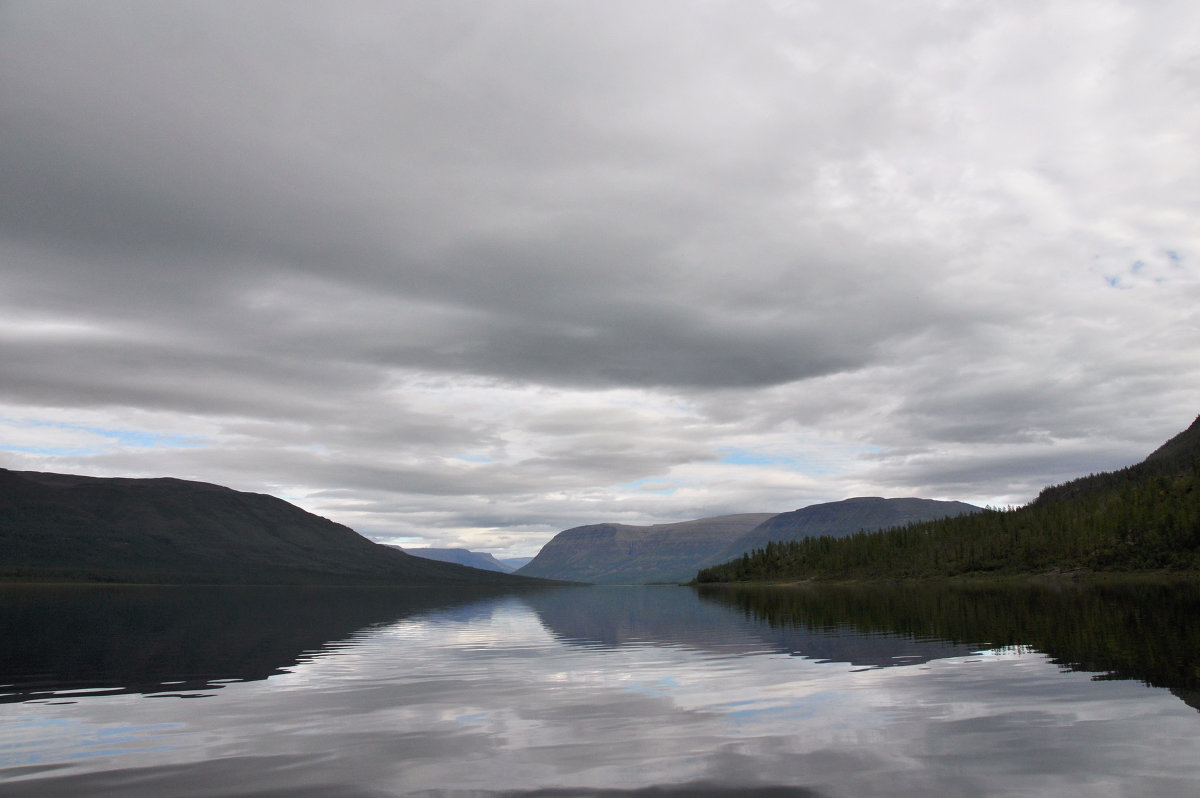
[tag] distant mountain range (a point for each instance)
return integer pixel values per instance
(472, 559)
(626, 554)
(61, 527)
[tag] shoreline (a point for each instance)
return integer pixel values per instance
(1078, 577)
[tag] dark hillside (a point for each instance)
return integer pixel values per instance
(1177, 455)
(61, 527)
(1180, 451)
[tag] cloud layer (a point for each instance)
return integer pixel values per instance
(468, 275)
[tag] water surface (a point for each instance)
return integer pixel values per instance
(600, 691)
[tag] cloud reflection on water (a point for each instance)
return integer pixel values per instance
(607, 691)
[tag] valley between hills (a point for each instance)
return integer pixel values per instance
(70, 528)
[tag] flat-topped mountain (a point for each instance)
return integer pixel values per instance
(627, 554)
(62, 527)
(472, 559)
(837, 519)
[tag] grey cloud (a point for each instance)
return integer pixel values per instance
(1023, 474)
(193, 153)
(795, 225)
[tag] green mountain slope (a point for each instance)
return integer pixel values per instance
(626, 554)
(60, 527)
(1145, 517)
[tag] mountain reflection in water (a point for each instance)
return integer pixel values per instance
(601, 691)
(614, 616)
(156, 639)
(1147, 631)
(91, 639)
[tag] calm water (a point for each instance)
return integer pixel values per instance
(656, 691)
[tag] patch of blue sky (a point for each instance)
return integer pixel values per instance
(1166, 265)
(649, 485)
(109, 438)
(474, 458)
(830, 459)
(148, 440)
(51, 451)
(746, 457)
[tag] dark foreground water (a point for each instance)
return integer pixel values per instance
(600, 691)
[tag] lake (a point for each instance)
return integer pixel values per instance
(610, 691)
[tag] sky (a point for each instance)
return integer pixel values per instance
(469, 274)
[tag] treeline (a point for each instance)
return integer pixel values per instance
(1146, 517)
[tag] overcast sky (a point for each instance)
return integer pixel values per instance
(468, 274)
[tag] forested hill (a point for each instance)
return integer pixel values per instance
(841, 518)
(1145, 517)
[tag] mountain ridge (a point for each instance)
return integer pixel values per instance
(69, 527)
(471, 559)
